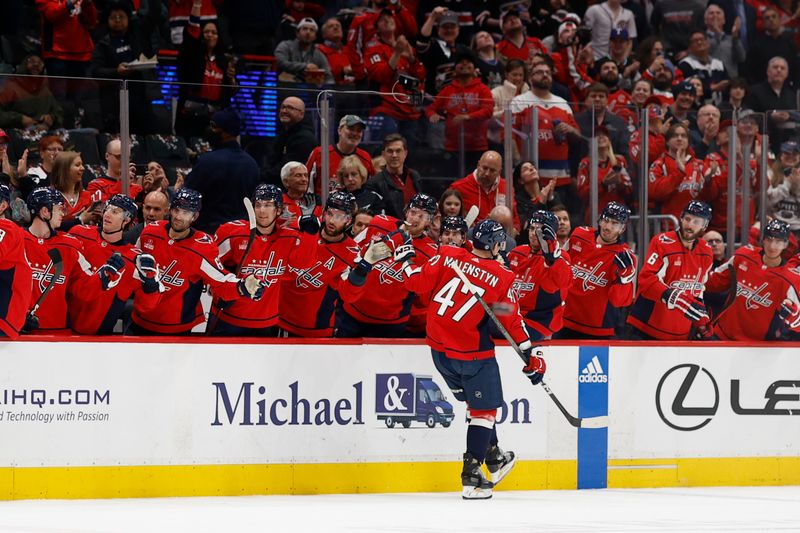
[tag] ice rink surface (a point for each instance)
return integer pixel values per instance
(720, 509)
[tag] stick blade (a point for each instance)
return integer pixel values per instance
(251, 213)
(594, 422)
(472, 215)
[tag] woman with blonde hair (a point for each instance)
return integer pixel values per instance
(353, 175)
(67, 178)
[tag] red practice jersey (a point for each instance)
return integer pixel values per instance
(760, 290)
(597, 292)
(269, 259)
(185, 265)
(384, 298)
(309, 295)
(457, 324)
(542, 289)
(101, 314)
(76, 285)
(669, 265)
(15, 279)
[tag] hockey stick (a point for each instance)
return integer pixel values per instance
(731, 295)
(58, 269)
(593, 422)
(251, 218)
(472, 215)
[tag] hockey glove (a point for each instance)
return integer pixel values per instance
(551, 250)
(148, 273)
(626, 266)
(790, 314)
(692, 307)
(251, 287)
(309, 224)
(704, 329)
(31, 323)
(111, 272)
(376, 252)
(536, 366)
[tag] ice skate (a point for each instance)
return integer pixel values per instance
(499, 463)
(475, 486)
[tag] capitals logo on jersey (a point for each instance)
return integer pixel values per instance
(692, 285)
(306, 278)
(753, 295)
(388, 272)
(43, 275)
(590, 278)
(265, 270)
(170, 278)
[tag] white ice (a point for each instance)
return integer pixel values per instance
(724, 509)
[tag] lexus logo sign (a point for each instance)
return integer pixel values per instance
(687, 397)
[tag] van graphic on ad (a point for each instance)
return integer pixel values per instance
(405, 398)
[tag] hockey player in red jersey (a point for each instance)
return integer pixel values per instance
(669, 303)
(603, 271)
(15, 273)
(273, 250)
(461, 343)
(374, 300)
(544, 277)
(123, 270)
(48, 207)
(454, 232)
(766, 306)
(309, 295)
(187, 260)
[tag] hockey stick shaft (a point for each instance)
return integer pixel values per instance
(58, 269)
(600, 421)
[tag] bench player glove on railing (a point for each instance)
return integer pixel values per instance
(31, 323)
(626, 266)
(251, 287)
(536, 366)
(111, 272)
(704, 329)
(692, 307)
(790, 314)
(148, 273)
(309, 224)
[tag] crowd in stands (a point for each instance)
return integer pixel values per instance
(422, 91)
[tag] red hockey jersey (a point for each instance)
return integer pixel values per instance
(314, 166)
(384, 298)
(185, 265)
(395, 99)
(597, 292)
(362, 30)
(308, 295)
(100, 315)
(75, 286)
(106, 187)
(15, 279)
(473, 194)
(457, 324)
(716, 190)
(530, 46)
(760, 291)
(473, 99)
(621, 192)
(672, 187)
(669, 265)
(269, 259)
(542, 289)
(553, 147)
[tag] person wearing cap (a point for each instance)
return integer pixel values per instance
(363, 27)
(390, 56)
(783, 193)
(619, 50)
(680, 111)
(656, 144)
(437, 53)
(709, 69)
(766, 306)
(351, 131)
(300, 60)
(466, 105)
(602, 18)
(207, 74)
(225, 175)
(715, 191)
(613, 181)
(515, 44)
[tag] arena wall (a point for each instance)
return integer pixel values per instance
(102, 418)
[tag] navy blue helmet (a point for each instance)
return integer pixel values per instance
(545, 218)
(124, 202)
(341, 200)
(424, 202)
(777, 229)
(269, 192)
(698, 209)
(187, 199)
(44, 197)
(5, 193)
(616, 211)
(455, 223)
(487, 233)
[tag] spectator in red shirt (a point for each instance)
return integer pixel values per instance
(351, 131)
(613, 182)
(466, 105)
(333, 48)
(515, 43)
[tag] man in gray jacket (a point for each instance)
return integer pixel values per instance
(299, 60)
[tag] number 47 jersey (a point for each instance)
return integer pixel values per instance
(457, 324)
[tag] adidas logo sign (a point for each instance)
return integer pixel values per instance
(593, 372)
